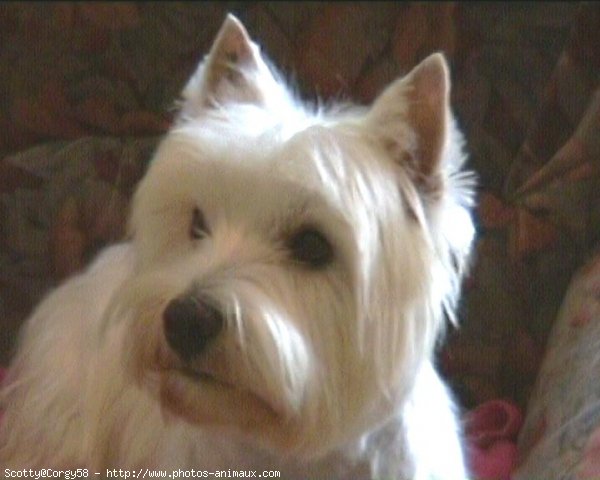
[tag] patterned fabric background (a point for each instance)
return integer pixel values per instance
(86, 89)
(561, 436)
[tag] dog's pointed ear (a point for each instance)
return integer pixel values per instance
(413, 116)
(233, 71)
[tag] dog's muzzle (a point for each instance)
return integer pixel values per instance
(190, 323)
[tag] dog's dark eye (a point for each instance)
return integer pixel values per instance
(309, 247)
(198, 227)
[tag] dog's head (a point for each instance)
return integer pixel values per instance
(294, 264)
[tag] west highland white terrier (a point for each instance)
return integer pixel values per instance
(279, 302)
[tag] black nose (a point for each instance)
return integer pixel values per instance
(190, 324)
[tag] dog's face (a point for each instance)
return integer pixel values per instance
(293, 265)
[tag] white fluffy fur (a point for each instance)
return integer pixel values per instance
(321, 373)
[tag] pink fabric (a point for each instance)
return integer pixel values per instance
(491, 431)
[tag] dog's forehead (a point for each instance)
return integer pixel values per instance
(264, 172)
(319, 159)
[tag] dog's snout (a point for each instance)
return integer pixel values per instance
(190, 324)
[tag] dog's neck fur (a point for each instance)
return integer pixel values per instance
(386, 452)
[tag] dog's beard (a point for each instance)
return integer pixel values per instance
(253, 378)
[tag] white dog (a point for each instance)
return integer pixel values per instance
(278, 304)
